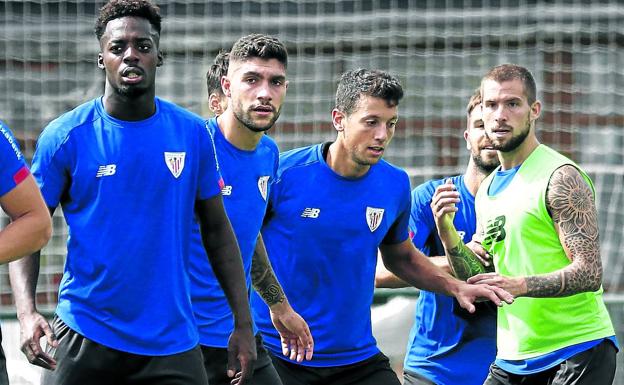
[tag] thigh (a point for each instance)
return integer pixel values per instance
(215, 364)
(595, 366)
(410, 378)
(186, 368)
(372, 371)
(293, 374)
(264, 371)
(80, 361)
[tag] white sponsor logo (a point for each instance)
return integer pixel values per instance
(263, 184)
(310, 213)
(226, 190)
(106, 170)
(374, 217)
(9, 138)
(175, 162)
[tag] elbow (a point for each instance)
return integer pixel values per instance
(43, 234)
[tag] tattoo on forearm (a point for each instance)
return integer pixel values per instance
(264, 281)
(464, 262)
(570, 202)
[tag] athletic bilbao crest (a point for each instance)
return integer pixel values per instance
(374, 217)
(263, 184)
(175, 162)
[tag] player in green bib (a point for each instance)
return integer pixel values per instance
(537, 218)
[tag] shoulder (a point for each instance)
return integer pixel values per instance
(59, 130)
(298, 158)
(268, 143)
(425, 191)
(179, 113)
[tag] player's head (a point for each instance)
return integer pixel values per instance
(510, 107)
(217, 102)
(256, 81)
(129, 36)
(482, 153)
(366, 113)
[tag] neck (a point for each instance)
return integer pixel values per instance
(339, 161)
(129, 108)
(236, 133)
(516, 157)
(473, 177)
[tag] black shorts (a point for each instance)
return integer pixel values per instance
(372, 371)
(4, 377)
(215, 363)
(80, 361)
(595, 366)
(411, 378)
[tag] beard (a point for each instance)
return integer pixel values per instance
(515, 141)
(247, 121)
(483, 165)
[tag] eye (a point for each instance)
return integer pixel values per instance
(392, 125)
(371, 122)
(278, 82)
(250, 80)
(115, 49)
(513, 104)
(145, 47)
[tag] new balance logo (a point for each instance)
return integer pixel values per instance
(495, 231)
(226, 190)
(310, 213)
(107, 170)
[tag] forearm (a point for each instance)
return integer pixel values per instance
(463, 261)
(388, 280)
(263, 277)
(571, 280)
(24, 275)
(419, 272)
(226, 262)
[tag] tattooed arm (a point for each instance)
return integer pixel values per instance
(297, 342)
(463, 261)
(570, 202)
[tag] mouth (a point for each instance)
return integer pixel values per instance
(132, 75)
(263, 109)
(376, 150)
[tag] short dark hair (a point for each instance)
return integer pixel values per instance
(355, 83)
(507, 72)
(474, 101)
(116, 9)
(259, 46)
(217, 70)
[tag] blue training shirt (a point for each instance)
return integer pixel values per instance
(128, 191)
(446, 344)
(322, 233)
(13, 170)
(247, 176)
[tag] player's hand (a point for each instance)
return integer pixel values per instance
(443, 205)
(514, 285)
(480, 252)
(297, 342)
(241, 355)
(468, 294)
(33, 327)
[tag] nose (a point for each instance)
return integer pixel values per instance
(264, 92)
(130, 55)
(381, 133)
(500, 114)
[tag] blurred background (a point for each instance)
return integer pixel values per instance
(438, 49)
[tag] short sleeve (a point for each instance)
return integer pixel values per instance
(421, 222)
(210, 181)
(13, 170)
(399, 230)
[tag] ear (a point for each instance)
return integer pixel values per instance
(466, 139)
(338, 119)
(161, 59)
(100, 61)
(225, 86)
(536, 110)
(214, 103)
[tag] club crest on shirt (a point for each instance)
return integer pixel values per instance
(175, 162)
(374, 217)
(263, 186)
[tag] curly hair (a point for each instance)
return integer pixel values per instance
(259, 46)
(116, 9)
(364, 82)
(217, 70)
